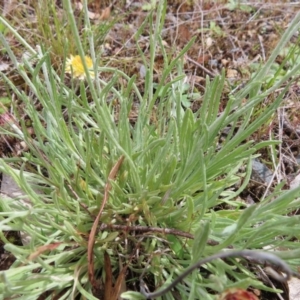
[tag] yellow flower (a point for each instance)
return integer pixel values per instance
(74, 66)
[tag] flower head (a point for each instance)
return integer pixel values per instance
(74, 66)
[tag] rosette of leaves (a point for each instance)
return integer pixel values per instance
(113, 202)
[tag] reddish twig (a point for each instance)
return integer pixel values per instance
(154, 229)
(147, 229)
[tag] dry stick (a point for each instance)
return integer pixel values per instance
(205, 70)
(267, 279)
(154, 229)
(147, 229)
(92, 235)
(264, 256)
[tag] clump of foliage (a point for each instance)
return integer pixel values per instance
(113, 202)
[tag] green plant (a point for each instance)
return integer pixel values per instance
(243, 6)
(137, 201)
(277, 71)
(52, 29)
(213, 27)
(4, 101)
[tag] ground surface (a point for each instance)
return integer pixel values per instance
(236, 38)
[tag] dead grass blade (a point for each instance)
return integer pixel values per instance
(91, 240)
(120, 285)
(112, 292)
(42, 249)
(108, 291)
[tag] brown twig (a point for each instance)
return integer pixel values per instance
(147, 229)
(91, 240)
(205, 70)
(154, 229)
